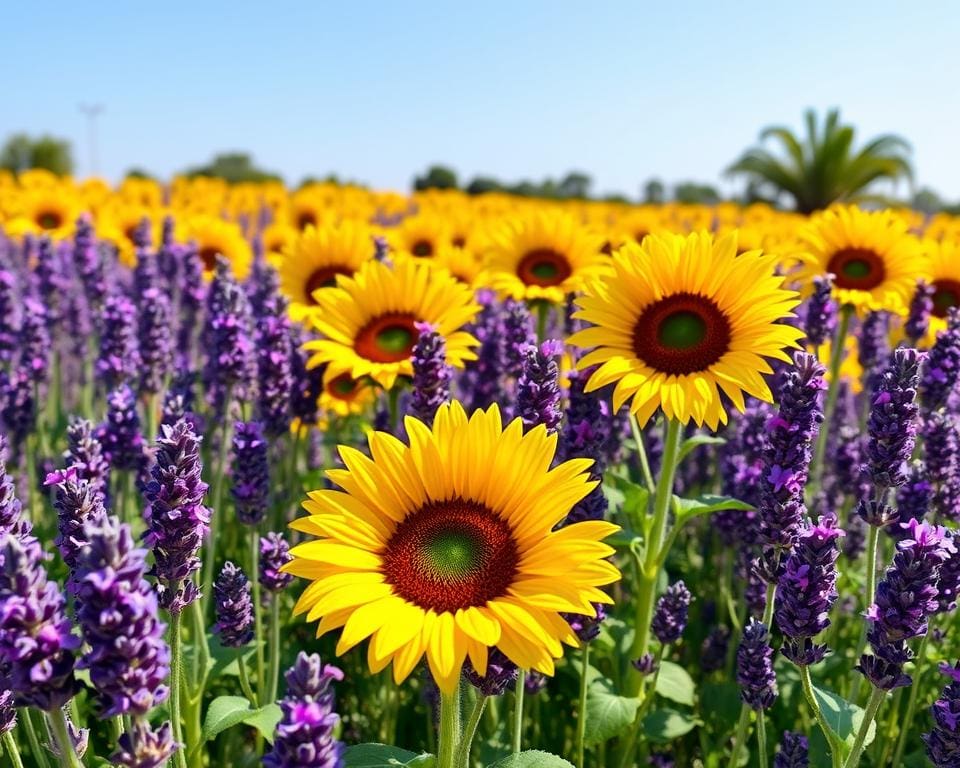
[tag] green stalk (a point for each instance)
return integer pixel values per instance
(10, 747)
(39, 755)
(449, 728)
(762, 739)
(543, 315)
(469, 731)
(61, 734)
(833, 393)
(642, 454)
(176, 675)
(210, 558)
(629, 743)
(876, 699)
(740, 737)
(650, 569)
(873, 536)
(582, 705)
(835, 754)
(912, 701)
(245, 681)
(519, 690)
(274, 649)
(257, 612)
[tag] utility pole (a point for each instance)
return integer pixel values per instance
(92, 112)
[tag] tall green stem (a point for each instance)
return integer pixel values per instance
(469, 731)
(274, 649)
(449, 728)
(210, 559)
(39, 755)
(257, 614)
(807, 683)
(833, 393)
(176, 678)
(762, 739)
(519, 689)
(649, 570)
(876, 699)
(61, 733)
(740, 737)
(245, 680)
(582, 704)
(642, 453)
(10, 747)
(907, 720)
(873, 537)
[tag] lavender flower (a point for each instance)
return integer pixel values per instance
(35, 342)
(85, 454)
(941, 448)
(36, 644)
(758, 683)
(918, 319)
(11, 512)
(586, 627)
(119, 358)
(807, 592)
(942, 366)
(306, 383)
(431, 374)
(231, 365)
(518, 334)
(821, 315)
(8, 713)
(586, 431)
(670, 617)
(89, 264)
(128, 658)
(943, 742)
(482, 379)
(892, 424)
(501, 674)
(905, 597)
(50, 283)
(78, 502)
(156, 339)
(793, 752)
(177, 520)
(192, 293)
(120, 434)
(274, 554)
(538, 388)
(275, 376)
(251, 473)
(9, 328)
(234, 608)
(874, 348)
(143, 747)
(18, 407)
(304, 737)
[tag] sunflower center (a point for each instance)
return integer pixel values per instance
(343, 386)
(857, 268)
(459, 241)
(946, 294)
(681, 334)
(387, 339)
(544, 267)
(451, 554)
(208, 255)
(49, 220)
(422, 248)
(324, 277)
(305, 219)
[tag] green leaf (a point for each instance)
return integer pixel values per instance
(607, 713)
(422, 761)
(704, 505)
(694, 442)
(843, 717)
(532, 758)
(224, 660)
(633, 500)
(225, 712)
(265, 720)
(376, 756)
(675, 684)
(665, 725)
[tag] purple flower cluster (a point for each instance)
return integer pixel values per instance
(85, 454)
(18, 407)
(128, 658)
(120, 433)
(274, 372)
(905, 598)
(874, 347)
(35, 341)
(177, 520)
(431, 374)
(807, 591)
(713, 649)
(670, 617)
(231, 363)
(943, 742)
(821, 315)
(144, 747)
(892, 425)
(274, 554)
(119, 358)
(793, 752)
(942, 366)
(941, 451)
(234, 607)
(918, 318)
(741, 472)
(304, 736)
(9, 328)
(155, 330)
(500, 675)
(77, 502)
(481, 380)
(251, 473)
(538, 387)
(755, 675)
(518, 334)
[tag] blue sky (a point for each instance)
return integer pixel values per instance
(376, 91)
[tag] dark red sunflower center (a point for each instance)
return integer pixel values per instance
(208, 255)
(324, 277)
(343, 387)
(681, 334)
(857, 269)
(946, 294)
(459, 240)
(387, 339)
(305, 218)
(49, 220)
(544, 267)
(422, 248)
(450, 555)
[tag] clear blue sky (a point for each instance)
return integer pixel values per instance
(376, 91)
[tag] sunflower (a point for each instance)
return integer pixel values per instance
(459, 262)
(217, 237)
(369, 321)
(315, 258)
(119, 223)
(543, 255)
(875, 259)
(944, 267)
(277, 238)
(681, 319)
(421, 235)
(345, 396)
(51, 212)
(446, 547)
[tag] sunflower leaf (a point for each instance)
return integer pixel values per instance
(692, 443)
(532, 758)
(705, 505)
(608, 714)
(376, 756)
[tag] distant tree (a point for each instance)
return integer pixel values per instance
(436, 177)
(927, 201)
(654, 192)
(575, 186)
(21, 153)
(822, 167)
(139, 173)
(233, 167)
(483, 184)
(692, 192)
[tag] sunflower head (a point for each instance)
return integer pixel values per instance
(52, 212)
(874, 258)
(217, 237)
(369, 321)
(446, 547)
(421, 235)
(682, 319)
(345, 396)
(543, 255)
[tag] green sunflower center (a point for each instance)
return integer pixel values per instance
(682, 330)
(544, 267)
(946, 294)
(387, 339)
(857, 268)
(49, 220)
(681, 334)
(452, 553)
(343, 386)
(395, 339)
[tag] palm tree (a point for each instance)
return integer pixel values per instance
(824, 167)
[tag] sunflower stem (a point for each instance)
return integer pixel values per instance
(642, 454)
(543, 315)
(449, 727)
(833, 393)
(469, 731)
(582, 704)
(649, 570)
(274, 649)
(518, 711)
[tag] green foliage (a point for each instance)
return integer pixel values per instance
(665, 725)
(234, 168)
(692, 193)
(376, 756)
(843, 717)
(608, 714)
(436, 177)
(22, 152)
(532, 758)
(823, 167)
(675, 683)
(139, 173)
(227, 711)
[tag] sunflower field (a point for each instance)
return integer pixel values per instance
(337, 477)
